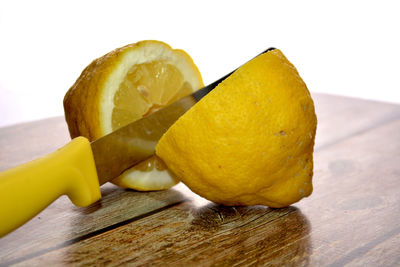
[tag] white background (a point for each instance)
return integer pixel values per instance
(339, 47)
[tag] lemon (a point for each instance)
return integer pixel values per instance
(125, 85)
(250, 140)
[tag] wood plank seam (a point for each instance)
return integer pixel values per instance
(87, 236)
(383, 122)
(365, 248)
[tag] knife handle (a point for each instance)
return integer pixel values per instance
(27, 189)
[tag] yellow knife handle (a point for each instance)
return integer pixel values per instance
(27, 189)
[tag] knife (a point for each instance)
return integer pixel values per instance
(79, 168)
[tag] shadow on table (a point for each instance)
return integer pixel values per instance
(119, 207)
(264, 235)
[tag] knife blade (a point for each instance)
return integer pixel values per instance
(79, 168)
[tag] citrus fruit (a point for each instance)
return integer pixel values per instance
(250, 140)
(125, 85)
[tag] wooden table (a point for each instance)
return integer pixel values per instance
(352, 218)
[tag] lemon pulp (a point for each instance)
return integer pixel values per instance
(146, 88)
(151, 164)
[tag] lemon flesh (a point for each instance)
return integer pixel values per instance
(146, 88)
(250, 140)
(123, 86)
(151, 173)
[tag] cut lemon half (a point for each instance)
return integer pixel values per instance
(123, 86)
(250, 140)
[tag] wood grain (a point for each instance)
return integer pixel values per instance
(24, 142)
(341, 117)
(62, 223)
(353, 213)
(350, 218)
(355, 205)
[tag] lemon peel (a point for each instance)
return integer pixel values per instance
(250, 140)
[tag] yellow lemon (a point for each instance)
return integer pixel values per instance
(123, 86)
(250, 140)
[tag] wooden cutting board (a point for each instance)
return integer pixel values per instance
(352, 218)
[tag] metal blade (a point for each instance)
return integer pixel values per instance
(135, 142)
